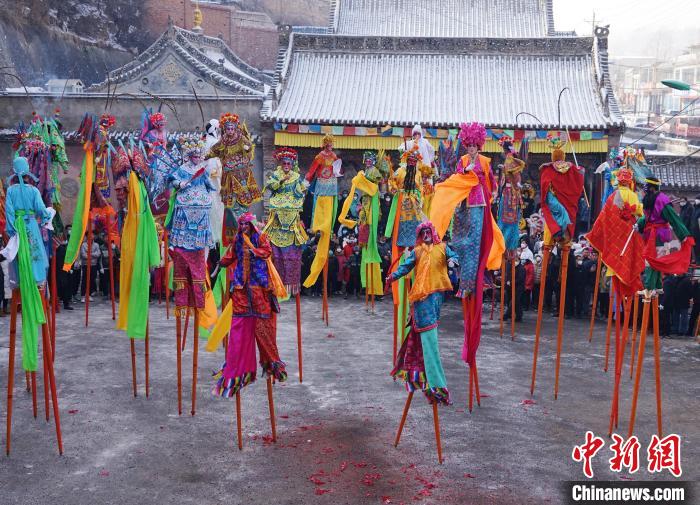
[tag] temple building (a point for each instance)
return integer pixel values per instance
(383, 65)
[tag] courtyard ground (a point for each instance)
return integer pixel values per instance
(336, 429)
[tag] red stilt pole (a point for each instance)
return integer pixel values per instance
(46, 341)
(640, 363)
(503, 290)
(540, 305)
(562, 309)
(595, 297)
(239, 420)
(325, 293)
(110, 255)
(512, 299)
(133, 366)
(608, 329)
(403, 418)
(396, 332)
(146, 342)
(11, 367)
(166, 276)
(34, 406)
(88, 271)
(54, 302)
(299, 349)
(194, 361)
(367, 286)
(26, 378)
(657, 363)
(187, 323)
(619, 361)
(271, 405)
(493, 300)
(436, 423)
(634, 332)
(178, 333)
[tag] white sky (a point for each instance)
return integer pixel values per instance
(634, 23)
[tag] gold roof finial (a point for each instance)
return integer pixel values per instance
(198, 17)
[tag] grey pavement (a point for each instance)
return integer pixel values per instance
(336, 429)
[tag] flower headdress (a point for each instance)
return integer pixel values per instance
(327, 140)
(157, 120)
(107, 120)
(625, 177)
(191, 147)
(472, 134)
(505, 139)
(285, 153)
(228, 118)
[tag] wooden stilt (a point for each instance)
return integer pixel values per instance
(367, 286)
(187, 323)
(640, 362)
(88, 271)
(34, 406)
(467, 316)
(493, 300)
(608, 329)
(512, 299)
(503, 290)
(239, 421)
(271, 405)
(46, 341)
(166, 276)
(371, 288)
(471, 390)
(540, 305)
(396, 332)
(46, 389)
(195, 354)
(618, 307)
(404, 312)
(325, 293)
(562, 310)
(299, 350)
(403, 418)
(110, 256)
(634, 332)
(595, 297)
(178, 336)
(26, 378)
(146, 346)
(476, 383)
(619, 361)
(54, 302)
(436, 423)
(657, 363)
(133, 366)
(11, 368)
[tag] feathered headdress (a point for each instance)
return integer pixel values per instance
(505, 139)
(472, 134)
(285, 153)
(228, 118)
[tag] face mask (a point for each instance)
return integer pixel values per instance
(682, 204)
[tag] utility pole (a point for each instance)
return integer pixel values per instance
(592, 22)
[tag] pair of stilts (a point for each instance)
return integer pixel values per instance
(48, 355)
(88, 273)
(369, 288)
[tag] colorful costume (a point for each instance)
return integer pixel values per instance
(154, 140)
(140, 253)
(236, 151)
(323, 172)
(24, 210)
(255, 311)
(284, 227)
(510, 204)
(190, 235)
(418, 362)
(367, 181)
(476, 239)
(215, 169)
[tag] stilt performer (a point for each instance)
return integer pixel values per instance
(140, 253)
(624, 260)
(252, 312)
(656, 225)
(405, 215)
(239, 189)
(561, 184)
(509, 216)
(324, 173)
(476, 239)
(367, 182)
(285, 229)
(24, 213)
(418, 362)
(190, 237)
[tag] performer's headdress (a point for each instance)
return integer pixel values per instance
(653, 182)
(625, 177)
(211, 126)
(506, 140)
(227, 118)
(285, 153)
(191, 147)
(369, 155)
(472, 134)
(247, 218)
(556, 144)
(157, 120)
(426, 225)
(327, 140)
(107, 120)
(417, 129)
(412, 156)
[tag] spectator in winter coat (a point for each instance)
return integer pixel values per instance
(92, 263)
(519, 290)
(681, 308)
(529, 283)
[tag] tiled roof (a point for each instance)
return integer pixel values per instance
(208, 57)
(443, 18)
(379, 81)
(676, 173)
